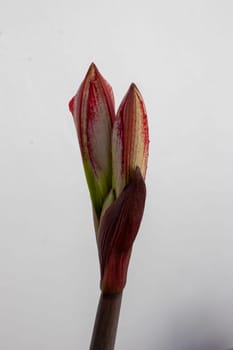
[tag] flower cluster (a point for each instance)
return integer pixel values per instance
(114, 149)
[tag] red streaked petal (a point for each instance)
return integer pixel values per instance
(93, 113)
(130, 139)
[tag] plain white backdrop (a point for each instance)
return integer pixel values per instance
(179, 294)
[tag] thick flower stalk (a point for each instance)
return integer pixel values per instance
(114, 151)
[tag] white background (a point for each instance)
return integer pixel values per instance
(179, 294)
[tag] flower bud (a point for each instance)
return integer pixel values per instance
(114, 151)
(93, 113)
(130, 139)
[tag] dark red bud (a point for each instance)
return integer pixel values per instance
(117, 232)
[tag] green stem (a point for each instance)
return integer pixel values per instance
(105, 328)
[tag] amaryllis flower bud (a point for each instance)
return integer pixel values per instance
(117, 232)
(114, 152)
(130, 139)
(93, 112)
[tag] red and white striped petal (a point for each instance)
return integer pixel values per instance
(93, 112)
(130, 139)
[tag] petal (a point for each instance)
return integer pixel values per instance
(130, 139)
(93, 112)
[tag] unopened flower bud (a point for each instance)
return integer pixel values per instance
(93, 112)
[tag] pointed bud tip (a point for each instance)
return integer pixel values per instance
(91, 75)
(92, 71)
(133, 86)
(133, 93)
(133, 89)
(92, 65)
